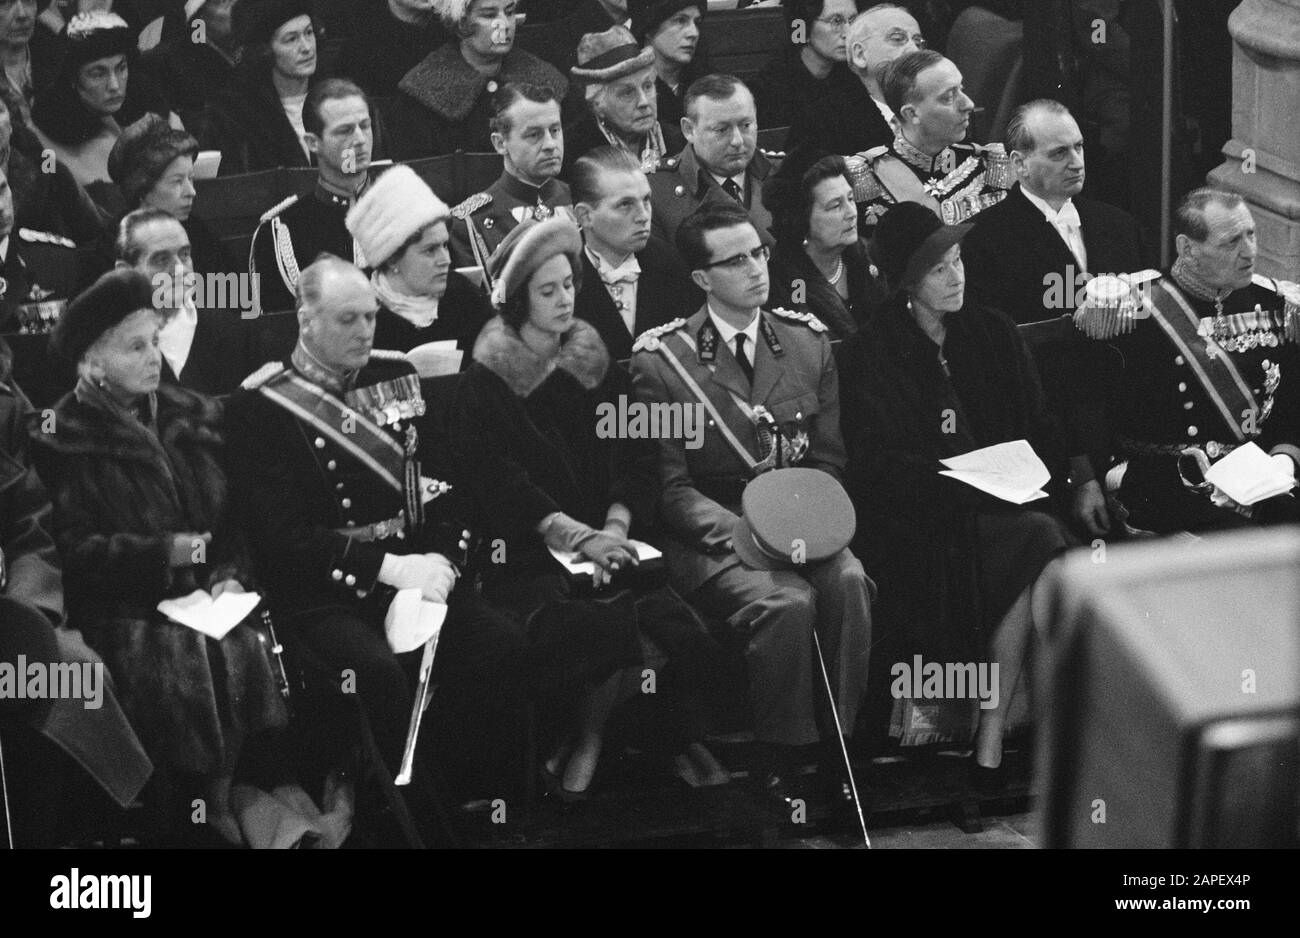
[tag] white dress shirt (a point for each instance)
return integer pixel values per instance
(176, 337)
(1067, 224)
(728, 333)
(620, 282)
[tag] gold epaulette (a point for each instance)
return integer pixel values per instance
(648, 341)
(1104, 323)
(32, 236)
(997, 165)
(388, 354)
(262, 376)
(471, 205)
(808, 319)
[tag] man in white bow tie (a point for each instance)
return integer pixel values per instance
(1030, 256)
(631, 281)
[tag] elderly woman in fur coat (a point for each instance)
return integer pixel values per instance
(546, 478)
(139, 497)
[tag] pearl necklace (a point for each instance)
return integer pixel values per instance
(839, 272)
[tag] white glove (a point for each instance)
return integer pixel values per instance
(432, 574)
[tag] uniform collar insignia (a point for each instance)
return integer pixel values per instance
(315, 371)
(769, 336)
(706, 341)
(922, 161)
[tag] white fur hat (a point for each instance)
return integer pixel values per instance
(396, 206)
(452, 11)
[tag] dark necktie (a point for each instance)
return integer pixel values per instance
(729, 186)
(742, 359)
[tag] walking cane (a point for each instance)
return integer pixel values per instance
(839, 737)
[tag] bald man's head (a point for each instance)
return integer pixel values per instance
(336, 313)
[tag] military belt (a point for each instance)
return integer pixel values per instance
(378, 531)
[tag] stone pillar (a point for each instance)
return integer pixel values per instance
(1263, 157)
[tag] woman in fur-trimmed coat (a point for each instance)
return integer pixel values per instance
(547, 474)
(140, 516)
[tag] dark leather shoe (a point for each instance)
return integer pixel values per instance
(986, 781)
(778, 794)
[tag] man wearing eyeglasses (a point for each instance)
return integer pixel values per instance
(767, 380)
(852, 116)
(927, 162)
(721, 162)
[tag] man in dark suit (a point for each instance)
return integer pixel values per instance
(204, 346)
(720, 163)
(631, 281)
(1029, 256)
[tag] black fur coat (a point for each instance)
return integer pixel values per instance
(120, 492)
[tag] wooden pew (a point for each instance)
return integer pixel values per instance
(742, 41)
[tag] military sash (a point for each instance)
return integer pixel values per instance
(1213, 368)
(365, 441)
(902, 185)
(693, 386)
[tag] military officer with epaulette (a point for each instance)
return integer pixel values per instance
(765, 383)
(1209, 355)
(721, 161)
(331, 469)
(527, 132)
(927, 162)
(290, 235)
(38, 277)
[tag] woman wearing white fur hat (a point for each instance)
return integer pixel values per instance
(444, 103)
(401, 226)
(547, 474)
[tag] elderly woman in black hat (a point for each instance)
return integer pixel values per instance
(444, 104)
(929, 378)
(80, 115)
(258, 123)
(153, 165)
(821, 265)
(550, 473)
(622, 100)
(134, 469)
(401, 226)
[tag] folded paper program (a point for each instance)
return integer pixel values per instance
(1009, 471)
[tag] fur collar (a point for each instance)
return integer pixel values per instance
(88, 430)
(446, 84)
(582, 354)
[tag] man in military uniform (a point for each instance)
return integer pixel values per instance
(1210, 363)
(328, 463)
(290, 235)
(720, 163)
(39, 276)
(527, 132)
(767, 381)
(927, 162)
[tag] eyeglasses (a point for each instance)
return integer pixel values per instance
(737, 261)
(899, 37)
(837, 22)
